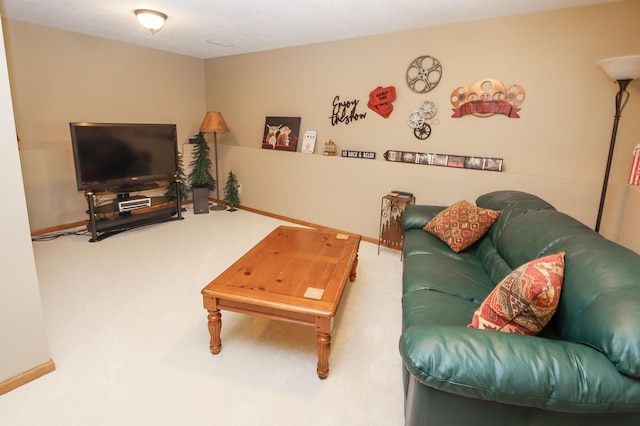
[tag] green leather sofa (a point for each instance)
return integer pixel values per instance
(582, 369)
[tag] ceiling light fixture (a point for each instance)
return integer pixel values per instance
(152, 20)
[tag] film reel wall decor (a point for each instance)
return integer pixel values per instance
(424, 74)
(487, 97)
(419, 119)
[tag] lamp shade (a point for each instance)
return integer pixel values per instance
(621, 67)
(151, 19)
(213, 123)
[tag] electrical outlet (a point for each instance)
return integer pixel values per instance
(239, 189)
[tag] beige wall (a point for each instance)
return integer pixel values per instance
(630, 229)
(22, 329)
(58, 77)
(557, 149)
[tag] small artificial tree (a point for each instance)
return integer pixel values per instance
(231, 196)
(178, 187)
(200, 175)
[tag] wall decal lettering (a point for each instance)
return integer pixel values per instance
(345, 111)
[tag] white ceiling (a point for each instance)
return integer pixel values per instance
(258, 25)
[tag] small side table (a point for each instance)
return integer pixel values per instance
(391, 211)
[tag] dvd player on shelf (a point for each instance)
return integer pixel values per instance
(132, 203)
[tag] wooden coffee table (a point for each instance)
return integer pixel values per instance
(293, 274)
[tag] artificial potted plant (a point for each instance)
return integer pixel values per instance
(200, 177)
(177, 187)
(231, 193)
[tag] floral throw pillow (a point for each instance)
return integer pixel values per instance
(461, 224)
(525, 300)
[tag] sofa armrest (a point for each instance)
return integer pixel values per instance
(417, 216)
(515, 369)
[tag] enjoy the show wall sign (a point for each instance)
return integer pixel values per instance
(345, 111)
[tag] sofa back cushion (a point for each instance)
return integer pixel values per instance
(600, 302)
(492, 262)
(512, 204)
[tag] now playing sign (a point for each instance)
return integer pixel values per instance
(359, 154)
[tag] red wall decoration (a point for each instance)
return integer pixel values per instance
(486, 98)
(380, 100)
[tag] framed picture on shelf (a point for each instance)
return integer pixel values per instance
(281, 133)
(308, 141)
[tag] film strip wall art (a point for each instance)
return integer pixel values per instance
(445, 160)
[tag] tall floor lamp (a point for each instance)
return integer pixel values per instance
(214, 123)
(623, 70)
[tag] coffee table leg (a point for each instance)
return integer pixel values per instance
(323, 344)
(352, 276)
(215, 325)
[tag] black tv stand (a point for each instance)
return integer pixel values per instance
(124, 193)
(106, 220)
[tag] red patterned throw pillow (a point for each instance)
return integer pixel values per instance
(525, 300)
(461, 224)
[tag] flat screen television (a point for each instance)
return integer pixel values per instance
(123, 157)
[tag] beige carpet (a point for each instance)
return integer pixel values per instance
(129, 337)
